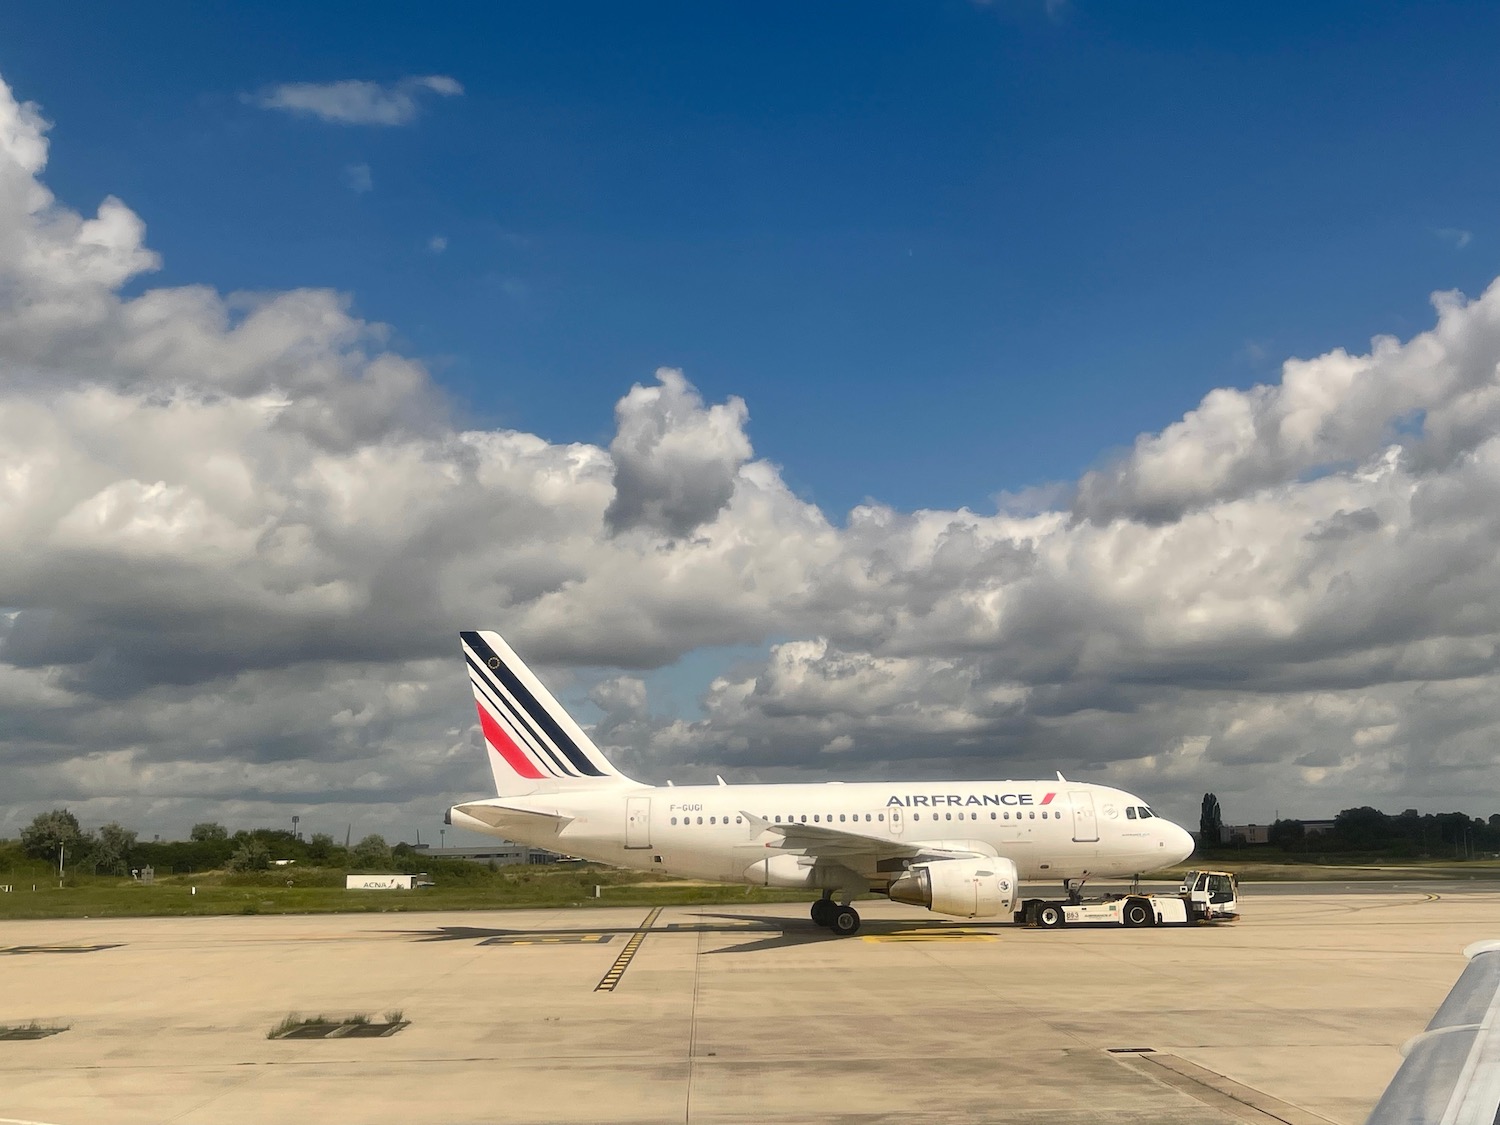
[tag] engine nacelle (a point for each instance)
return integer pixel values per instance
(963, 888)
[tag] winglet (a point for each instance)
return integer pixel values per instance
(1061, 778)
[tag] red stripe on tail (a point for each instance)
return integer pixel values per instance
(502, 744)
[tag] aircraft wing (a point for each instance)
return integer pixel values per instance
(504, 815)
(828, 842)
(1452, 1069)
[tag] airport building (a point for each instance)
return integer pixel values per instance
(502, 852)
(1261, 833)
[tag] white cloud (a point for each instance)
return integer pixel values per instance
(1458, 239)
(240, 535)
(676, 464)
(355, 102)
(437, 243)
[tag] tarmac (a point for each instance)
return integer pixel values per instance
(732, 1014)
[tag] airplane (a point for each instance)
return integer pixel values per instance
(957, 848)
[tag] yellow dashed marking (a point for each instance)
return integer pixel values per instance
(931, 935)
(622, 962)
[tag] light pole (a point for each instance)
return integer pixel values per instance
(59, 864)
(442, 838)
(295, 819)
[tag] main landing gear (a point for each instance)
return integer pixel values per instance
(841, 918)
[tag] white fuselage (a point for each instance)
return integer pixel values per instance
(1051, 830)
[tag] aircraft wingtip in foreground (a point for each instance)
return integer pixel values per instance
(957, 848)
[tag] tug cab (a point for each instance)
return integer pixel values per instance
(1212, 895)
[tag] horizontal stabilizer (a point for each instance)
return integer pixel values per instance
(501, 816)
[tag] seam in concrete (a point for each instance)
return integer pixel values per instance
(1214, 1089)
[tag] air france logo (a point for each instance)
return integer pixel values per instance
(949, 800)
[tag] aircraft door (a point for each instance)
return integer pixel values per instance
(637, 822)
(896, 819)
(1085, 826)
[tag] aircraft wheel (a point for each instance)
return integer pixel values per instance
(1050, 916)
(822, 912)
(1138, 912)
(844, 921)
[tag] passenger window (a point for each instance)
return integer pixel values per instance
(841, 818)
(778, 818)
(700, 820)
(1033, 816)
(804, 818)
(713, 820)
(881, 818)
(993, 816)
(948, 816)
(737, 820)
(674, 820)
(815, 818)
(1130, 813)
(916, 816)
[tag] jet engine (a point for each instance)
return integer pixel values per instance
(964, 888)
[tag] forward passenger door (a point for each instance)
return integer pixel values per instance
(1085, 825)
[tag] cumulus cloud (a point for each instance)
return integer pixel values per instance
(675, 462)
(1327, 415)
(241, 534)
(356, 102)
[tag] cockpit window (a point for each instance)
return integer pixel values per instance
(1146, 814)
(1130, 812)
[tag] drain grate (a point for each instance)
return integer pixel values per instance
(344, 1030)
(549, 939)
(32, 1032)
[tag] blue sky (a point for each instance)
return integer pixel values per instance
(942, 250)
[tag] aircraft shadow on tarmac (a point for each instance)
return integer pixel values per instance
(777, 932)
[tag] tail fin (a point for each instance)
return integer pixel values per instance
(534, 745)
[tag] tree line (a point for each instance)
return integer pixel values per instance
(57, 838)
(1367, 830)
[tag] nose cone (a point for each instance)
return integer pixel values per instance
(1179, 842)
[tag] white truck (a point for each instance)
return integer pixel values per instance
(1204, 896)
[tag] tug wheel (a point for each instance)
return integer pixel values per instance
(1050, 915)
